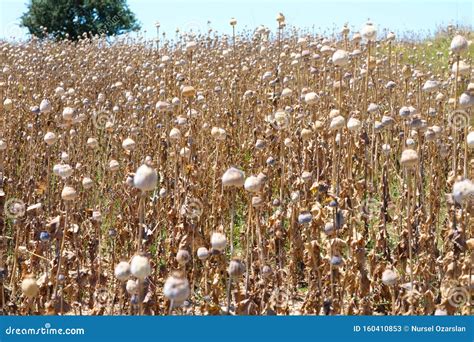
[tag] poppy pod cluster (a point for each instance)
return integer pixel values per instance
(145, 178)
(267, 170)
(176, 288)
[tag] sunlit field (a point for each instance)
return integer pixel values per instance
(273, 171)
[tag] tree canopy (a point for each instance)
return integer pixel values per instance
(72, 18)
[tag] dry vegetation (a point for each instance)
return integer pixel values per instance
(256, 173)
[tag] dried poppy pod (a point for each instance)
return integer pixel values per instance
(337, 123)
(233, 178)
(430, 135)
(458, 45)
(68, 193)
(191, 46)
(233, 22)
(63, 170)
(145, 178)
(188, 92)
(163, 192)
(353, 124)
(253, 184)
(463, 190)
(218, 133)
(96, 216)
(140, 267)
(440, 312)
(470, 140)
(260, 144)
(132, 286)
(281, 118)
(176, 288)
(236, 268)
(175, 134)
(87, 183)
(114, 165)
(387, 121)
(340, 58)
(122, 271)
(378, 126)
(163, 106)
(295, 196)
(470, 244)
(406, 71)
(68, 114)
(59, 91)
(29, 286)
(336, 260)
(8, 104)
(185, 152)
(50, 138)
(404, 112)
(129, 70)
(356, 38)
(280, 18)
(311, 98)
(183, 257)
(287, 92)
(218, 241)
(409, 158)
(439, 97)
(430, 86)
(373, 108)
(128, 144)
(306, 176)
(305, 217)
(386, 149)
(92, 143)
(45, 106)
(466, 100)
(410, 142)
(389, 277)
(369, 31)
(390, 37)
(202, 253)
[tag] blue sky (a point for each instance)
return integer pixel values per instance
(418, 16)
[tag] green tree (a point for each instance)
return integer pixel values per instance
(72, 18)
